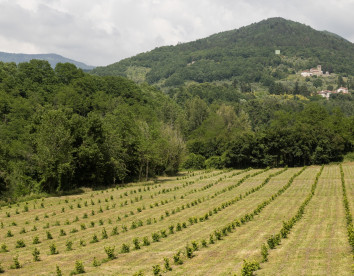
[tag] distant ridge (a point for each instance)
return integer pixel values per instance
(53, 59)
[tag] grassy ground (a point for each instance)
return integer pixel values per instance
(317, 245)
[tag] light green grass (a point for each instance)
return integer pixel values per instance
(223, 258)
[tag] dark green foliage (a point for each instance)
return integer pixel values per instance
(16, 264)
(125, 248)
(167, 264)
(79, 268)
(53, 249)
(264, 253)
(4, 248)
(189, 251)
(49, 235)
(35, 254)
(58, 271)
(104, 234)
(20, 244)
(95, 262)
(94, 239)
(146, 241)
(249, 267)
(155, 237)
(156, 269)
(69, 245)
(136, 243)
(83, 129)
(177, 258)
(110, 252)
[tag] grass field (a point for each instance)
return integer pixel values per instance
(202, 223)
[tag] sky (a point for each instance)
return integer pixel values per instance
(101, 32)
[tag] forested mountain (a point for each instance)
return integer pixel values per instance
(246, 55)
(53, 59)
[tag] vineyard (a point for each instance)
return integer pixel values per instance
(279, 221)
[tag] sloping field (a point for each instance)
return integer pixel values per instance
(203, 223)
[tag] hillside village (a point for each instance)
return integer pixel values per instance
(319, 73)
(314, 72)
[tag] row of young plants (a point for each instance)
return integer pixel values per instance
(155, 236)
(124, 228)
(86, 204)
(85, 216)
(172, 229)
(273, 241)
(348, 214)
(219, 233)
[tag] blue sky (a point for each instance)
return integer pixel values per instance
(105, 31)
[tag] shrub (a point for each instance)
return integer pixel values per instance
(136, 243)
(177, 258)
(94, 239)
(195, 246)
(69, 245)
(249, 267)
(4, 248)
(35, 254)
(125, 248)
(9, 234)
(156, 269)
(53, 249)
(82, 243)
(264, 253)
(62, 233)
(79, 268)
(49, 235)
(95, 262)
(58, 271)
(110, 252)
(104, 234)
(114, 231)
(20, 244)
(2, 270)
(146, 241)
(167, 264)
(155, 237)
(16, 264)
(189, 252)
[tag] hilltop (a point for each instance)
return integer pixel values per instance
(245, 54)
(53, 59)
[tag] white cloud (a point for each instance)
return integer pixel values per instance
(103, 32)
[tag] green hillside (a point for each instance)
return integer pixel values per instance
(246, 54)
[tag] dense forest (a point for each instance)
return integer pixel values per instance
(62, 129)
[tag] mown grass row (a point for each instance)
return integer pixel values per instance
(155, 236)
(348, 214)
(249, 266)
(219, 233)
(81, 205)
(134, 224)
